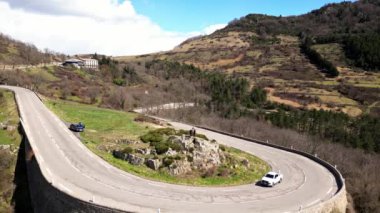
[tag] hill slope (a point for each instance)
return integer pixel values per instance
(13, 52)
(266, 50)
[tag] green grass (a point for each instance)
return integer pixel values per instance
(45, 73)
(9, 115)
(333, 52)
(100, 123)
(104, 126)
(337, 100)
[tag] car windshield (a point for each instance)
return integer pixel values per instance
(269, 176)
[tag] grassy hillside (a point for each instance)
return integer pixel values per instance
(266, 51)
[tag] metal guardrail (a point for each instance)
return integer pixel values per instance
(338, 176)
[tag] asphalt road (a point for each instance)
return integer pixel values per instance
(72, 168)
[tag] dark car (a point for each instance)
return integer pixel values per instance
(79, 127)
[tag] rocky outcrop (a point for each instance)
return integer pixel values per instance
(135, 160)
(153, 163)
(184, 154)
(131, 158)
(145, 151)
(6, 126)
(206, 154)
(171, 152)
(196, 153)
(180, 167)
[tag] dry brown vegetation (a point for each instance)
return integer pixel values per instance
(14, 52)
(278, 60)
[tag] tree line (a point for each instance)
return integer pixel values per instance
(121, 75)
(364, 50)
(316, 58)
(229, 96)
(234, 98)
(359, 132)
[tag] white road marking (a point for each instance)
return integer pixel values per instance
(49, 172)
(70, 157)
(329, 191)
(230, 190)
(313, 203)
(64, 188)
(154, 184)
(196, 190)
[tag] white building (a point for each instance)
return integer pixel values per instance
(86, 63)
(89, 63)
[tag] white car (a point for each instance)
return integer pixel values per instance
(271, 179)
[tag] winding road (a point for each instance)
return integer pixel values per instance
(69, 166)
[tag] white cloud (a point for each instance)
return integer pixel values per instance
(87, 26)
(212, 28)
(106, 9)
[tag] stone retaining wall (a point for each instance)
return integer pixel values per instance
(46, 198)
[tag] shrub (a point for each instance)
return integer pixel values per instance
(177, 157)
(202, 136)
(161, 148)
(119, 81)
(127, 150)
(174, 146)
(190, 158)
(167, 161)
(182, 132)
(152, 137)
(223, 172)
(209, 172)
(165, 131)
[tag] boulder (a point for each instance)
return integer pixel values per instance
(120, 155)
(153, 163)
(179, 168)
(170, 152)
(132, 159)
(135, 160)
(11, 128)
(206, 155)
(5, 147)
(245, 162)
(145, 151)
(126, 141)
(185, 141)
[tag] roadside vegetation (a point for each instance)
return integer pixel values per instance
(110, 130)
(232, 98)
(356, 165)
(9, 143)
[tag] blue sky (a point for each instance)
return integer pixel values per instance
(195, 15)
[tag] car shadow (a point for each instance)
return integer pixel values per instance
(258, 183)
